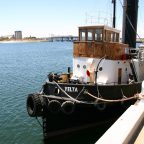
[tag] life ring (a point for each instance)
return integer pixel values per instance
(34, 105)
(54, 106)
(68, 107)
(101, 106)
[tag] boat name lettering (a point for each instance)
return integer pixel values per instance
(71, 89)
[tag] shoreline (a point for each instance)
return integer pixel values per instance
(23, 41)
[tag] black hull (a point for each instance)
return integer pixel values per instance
(84, 117)
(83, 113)
(77, 91)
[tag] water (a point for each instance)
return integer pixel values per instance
(23, 70)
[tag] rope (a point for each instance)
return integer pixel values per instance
(75, 100)
(141, 96)
(118, 100)
(136, 96)
(123, 94)
(98, 67)
(39, 122)
(80, 92)
(131, 24)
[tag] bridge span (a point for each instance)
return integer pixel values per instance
(62, 38)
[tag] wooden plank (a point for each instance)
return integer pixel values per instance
(113, 51)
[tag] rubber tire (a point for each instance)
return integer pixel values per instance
(34, 105)
(68, 107)
(54, 106)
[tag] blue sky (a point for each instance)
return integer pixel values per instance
(43, 18)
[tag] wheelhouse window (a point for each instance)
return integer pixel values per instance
(82, 35)
(117, 37)
(109, 36)
(113, 37)
(98, 34)
(90, 35)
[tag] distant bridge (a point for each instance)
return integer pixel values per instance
(62, 38)
(74, 38)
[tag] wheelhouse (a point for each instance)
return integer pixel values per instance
(99, 41)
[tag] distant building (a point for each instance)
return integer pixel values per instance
(18, 35)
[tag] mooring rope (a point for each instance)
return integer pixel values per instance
(39, 122)
(136, 96)
(75, 100)
(141, 96)
(115, 100)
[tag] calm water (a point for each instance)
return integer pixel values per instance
(23, 69)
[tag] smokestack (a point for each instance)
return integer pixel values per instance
(130, 22)
(114, 13)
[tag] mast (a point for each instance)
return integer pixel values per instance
(124, 20)
(114, 13)
(130, 22)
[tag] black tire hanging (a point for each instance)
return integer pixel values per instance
(68, 107)
(54, 106)
(34, 105)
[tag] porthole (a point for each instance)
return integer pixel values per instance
(84, 66)
(78, 66)
(100, 69)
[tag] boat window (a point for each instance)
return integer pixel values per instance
(98, 34)
(90, 35)
(114, 37)
(105, 33)
(82, 35)
(117, 37)
(109, 36)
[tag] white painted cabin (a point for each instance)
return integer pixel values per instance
(99, 49)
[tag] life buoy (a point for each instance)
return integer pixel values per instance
(54, 106)
(101, 106)
(68, 107)
(34, 105)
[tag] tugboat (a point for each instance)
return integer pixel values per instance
(105, 80)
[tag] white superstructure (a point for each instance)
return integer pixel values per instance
(100, 58)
